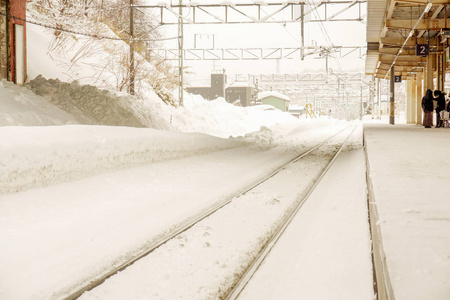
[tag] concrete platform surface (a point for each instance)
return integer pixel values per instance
(410, 174)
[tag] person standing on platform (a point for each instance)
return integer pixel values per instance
(427, 106)
(440, 97)
(447, 106)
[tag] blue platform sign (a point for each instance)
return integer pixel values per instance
(397, 78)
(422, 49)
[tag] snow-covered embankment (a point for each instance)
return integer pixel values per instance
(39, 156)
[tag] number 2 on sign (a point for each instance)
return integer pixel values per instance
(422, 50)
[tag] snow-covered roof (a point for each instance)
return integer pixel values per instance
(296, 107)
(266, 94)
(240, 84)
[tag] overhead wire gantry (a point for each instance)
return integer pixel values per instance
(259, 11)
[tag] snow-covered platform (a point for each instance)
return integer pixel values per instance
(409, 170)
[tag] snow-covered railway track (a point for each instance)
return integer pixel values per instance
(194, 220)
(253, 267)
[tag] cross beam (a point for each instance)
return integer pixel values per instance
(301, 85)
(238, 13)
(258, 53)
(306, 77)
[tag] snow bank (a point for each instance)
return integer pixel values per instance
(39, 156)
(220, 118)
(86, 103)
(20, 106)
(89, 105)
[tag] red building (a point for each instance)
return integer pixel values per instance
(13, 58)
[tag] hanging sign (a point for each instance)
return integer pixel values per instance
(397, 78)
(422, 49)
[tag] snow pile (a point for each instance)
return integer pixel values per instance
(64, 153)
(262, 139)
(223, 119)
(90, 105)
(20, 106)
(86, 103)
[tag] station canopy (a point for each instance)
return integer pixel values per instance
(403, 33)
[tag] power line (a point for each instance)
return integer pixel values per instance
(82, 33)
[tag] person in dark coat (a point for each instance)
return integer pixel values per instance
(440, 107)
(448, 105)
(427, 106)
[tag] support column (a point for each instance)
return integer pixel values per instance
(441, 71)
(378, 99)
(392, 98)
(419, 96)
(372, 90)
(413, 101)
(429, 74)
(444, 67)
(409, 107)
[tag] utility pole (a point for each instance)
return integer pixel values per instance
(302, 11)
(132, 91)
(180, 52)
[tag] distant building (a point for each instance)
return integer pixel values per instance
(216, 90)
(239, 94)
(236, 94)
(13, 41)
(297, 110)
(278, 100)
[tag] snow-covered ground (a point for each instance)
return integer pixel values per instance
(79, 197)
(62, 225)
(204, 262)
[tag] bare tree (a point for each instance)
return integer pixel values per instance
(94, 17)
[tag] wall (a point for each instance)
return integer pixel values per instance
(17, 9)
(281, 104)
(3, 41)
(244, 94)
(216, 90)
(218, 85)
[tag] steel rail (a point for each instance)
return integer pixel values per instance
(185, 225)
(253, 267)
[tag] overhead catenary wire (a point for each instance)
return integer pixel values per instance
(283, 25)
(324, 32)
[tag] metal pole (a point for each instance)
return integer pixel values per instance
(131, 49)
(302, 11)
(346, 106)
(180, 53)
(361, 104)
(392, 99)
